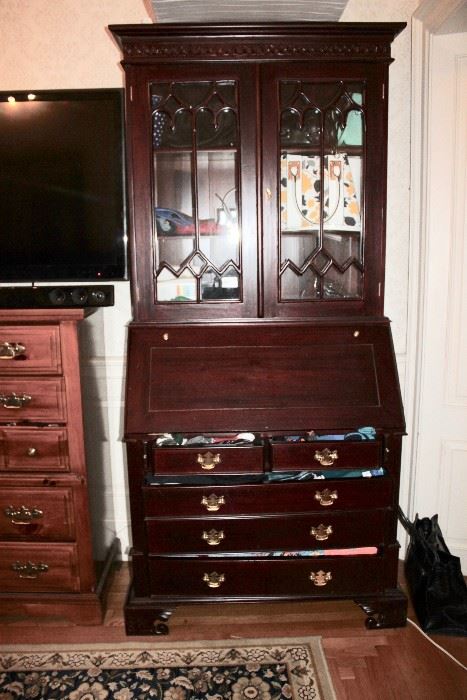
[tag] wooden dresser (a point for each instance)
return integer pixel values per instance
(263, 415)
(46, 562)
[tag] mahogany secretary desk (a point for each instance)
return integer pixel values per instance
(263, 414)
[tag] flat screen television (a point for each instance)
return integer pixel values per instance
(62, 186)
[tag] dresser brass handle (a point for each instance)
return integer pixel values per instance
(321, 532)
(213, 537)
(326, 497)
(31, 452)
(325, 457)
(320, 578)
(29, 569)
(208, 460)
(8, 351)
(14, 400)
(23, 515)
(214, 579)
(213, 502)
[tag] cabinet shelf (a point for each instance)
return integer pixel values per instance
(326, 232)
(317, 151)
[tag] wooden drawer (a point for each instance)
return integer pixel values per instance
(321, 455)
(207, 460)
(29, 350)
(266, 533)
(28, 567)
(34, 449)
(36, 514)
(32, 399)
(287, 497)
(256, 578)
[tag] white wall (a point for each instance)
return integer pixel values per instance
(49, 44)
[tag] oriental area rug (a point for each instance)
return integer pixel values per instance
(244, 669)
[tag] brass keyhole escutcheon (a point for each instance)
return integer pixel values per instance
(321, 533)
(213, 537)
(214, 579)
(208, 460)
(326, 497)
(320, 578)
(326, 457)
(213, 502)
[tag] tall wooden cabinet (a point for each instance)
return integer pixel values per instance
(46, 561)
(263, 412)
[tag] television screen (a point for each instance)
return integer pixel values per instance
(62, 186)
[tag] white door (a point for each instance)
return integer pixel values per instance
(440, 472)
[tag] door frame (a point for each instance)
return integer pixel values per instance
(426, 22)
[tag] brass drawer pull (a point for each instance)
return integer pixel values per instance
(214, 579)
(23, 515)
(213, 537)
(213, 502)
(208, 460)
(325, 457)
(326, 497)
(320, 578)
(14, 400)
(321, 532)
(31, 452)
(8, 351)
(29, 569)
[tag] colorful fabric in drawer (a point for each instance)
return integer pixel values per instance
(267, 477)
(303, 553)
(328, 474)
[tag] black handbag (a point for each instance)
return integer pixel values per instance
(437, 587)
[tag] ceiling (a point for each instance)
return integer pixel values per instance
(245, 10)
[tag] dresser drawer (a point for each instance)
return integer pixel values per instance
(34, 449)
(31, 567)
(29, 350)
(320, 455)
(320, 495)
(36, 514)
(207, 460)
(266, 533)
(253, 578)
(32, 399)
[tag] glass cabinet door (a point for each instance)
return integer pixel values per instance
(319, 186)
(199, 255)
(321, 153)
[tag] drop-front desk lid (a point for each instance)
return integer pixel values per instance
(261, 377)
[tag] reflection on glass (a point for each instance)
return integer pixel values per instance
(221, 286)
(173, 288)
(322, 138)
(178, 106)
(196, 220)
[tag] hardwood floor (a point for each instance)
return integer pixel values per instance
(394, 664)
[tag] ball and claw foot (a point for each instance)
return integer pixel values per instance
(389, 610)
(160, 626)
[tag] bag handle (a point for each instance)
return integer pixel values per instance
(405, 522)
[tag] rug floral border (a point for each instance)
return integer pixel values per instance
(307, 669)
